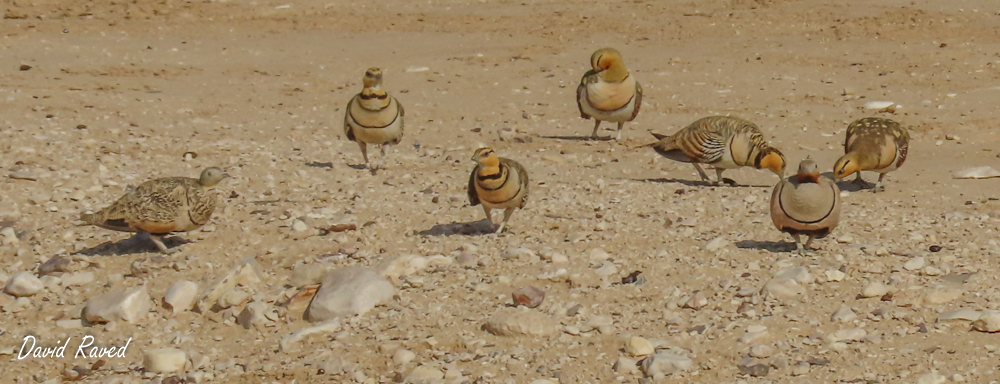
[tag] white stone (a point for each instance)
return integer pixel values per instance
(118, 305)
(252, 315)
(844, 315)
(963, 314)
(180, 296)
(834, 275)
(599, 255)
(245, 273)
(638, 347)
(300, 226)
(77, 279)
(290, 341)
(403, 356)
(606, 270)
(761, 351)
(24, 284)
(664, 363)
(932, 378)
(784, 290)
(874, 289)
(424, 374)
(984, 172)
(350, 291)
(989, 321)
(164, 360)
(9, 237)
(716, 244)
(520, 322)
(625, 365)
(914, 263)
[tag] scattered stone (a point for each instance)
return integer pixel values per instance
(245, 273)
(932, 378)
(783, 289)
(180, 296)
(290, 341)
(984, 172)
(252, 315)
(118, 305)
(625, 365)
(350, 291)
(761, 351)
(874, 289)
(844, 315)
(716, 244)
(941, 295)
(23, 284)
(54, 265)
(914, 264)
(403, 356)
(520, 322)
(665, 363)
(602, 323)
(697, 301)
(164, 360)
(77, 279)
(529, 296)
(638, 347)
(959, 315)
(989, 321)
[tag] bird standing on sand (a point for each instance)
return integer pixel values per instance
(723, 142)
(497, 182)
(373, 117)
(872, 144)
(806, 204)
(608, 92)
(162, 206)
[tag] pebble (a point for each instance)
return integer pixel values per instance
(180, 296)
(932, 378)
(625, 366)
(77, 279)
(290, 341)
(529, 296)
(607, 269)
(697, 301)
(914, 264)
(252, 315)
(665, 363)
(350, 291)
(834, 275)
(941, 295)
(844, 315)
(424, 374)
(307, 274)
(9, 237)
(874, 289)
(118, 305)
(761, 351)
(849, 335)
(403, 356)
(800, 369)
(513, 322)
(984, 172)
(299, 226)
(783, 289)
(164, 360)
(845, 239)
(24, 175)
(638, 347)
(989, 321)
(716, 244)
(601, 323)
(963, 314)
(23, 284)
(599, 254)
(245, 273)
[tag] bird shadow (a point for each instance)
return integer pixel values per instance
(474, 228)
(770, 246)
(851, 186)
(130, 246)
(693, 183)
(578, 138)
(316, 164)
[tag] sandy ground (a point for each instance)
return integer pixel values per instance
(117, 93)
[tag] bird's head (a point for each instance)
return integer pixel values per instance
(845, 166)
(211, 177)
(771, 158)
(373, 77)
(808, 171)
(486, 157)
(609, 65)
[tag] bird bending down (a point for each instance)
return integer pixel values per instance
(806, 204)
(373, 117)
(497, 182)
(607, 92)
(162, 206)
(872, 144)
(723, 142)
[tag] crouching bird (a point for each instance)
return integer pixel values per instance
(806, 204)
(608, 92)
(162, 206)
(496, 183)
(872, 144)
(723, 142)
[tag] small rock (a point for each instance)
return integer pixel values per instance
(24, 175)
(601, 323)
(697, 301)
(783, 289)
(23, 284)
(625, 366)
(598, 254)
(606, 270)
(529, 296)
(125, 305)
(844, 315)
(78, 279)
(959, 315)
(403, 356)
(350, 291)
(932, 378)
(252, 315)
(638, 347)
(424, 374)
(761, 351)
(984, 172)
(245, 273)
(849, 335)
(753, 334)
(989, 321)
(180, 296)
(845, 239)
(914, 264)
(299, 226)
(664, 363)
(800, 369)
(942, 295)
(164, 360)
(329, 326)
(874, 289)
(834, 275)
(716, 244)
(514, 322)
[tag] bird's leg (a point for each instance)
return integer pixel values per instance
(861, 183)
(364, 151)
(597, 124)
(704, 176)
(809, 241)
(718, 176)
(382, 160)
(158, 240)
(506, 216)
(620, 125)
(803, 250)
(489, 219)
(878, 184)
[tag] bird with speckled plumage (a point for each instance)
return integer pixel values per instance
(872, 144)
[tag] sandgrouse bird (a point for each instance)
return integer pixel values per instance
(162, 206)
(723, 142)
(607, 92)
(373, 117)
(873, 144)
(497, 183)
(806, 204)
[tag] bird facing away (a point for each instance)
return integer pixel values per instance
(872, 144)
(607, 92)
(373, 117)
(723, 142)
(162, 206)
(497, 182)
(806, 204)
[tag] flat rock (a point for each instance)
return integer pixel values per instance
(959, 315)
(245, 273)
(180, 296)
(77, 279)
(638, 347)
(932, 378)
(984, 172)
(520, 322)
(252, 315)
(665, 363)
(403, 356)
(164, 360)
(424, 374)
(989, 321)
(844, 315)
(529, 296)
(118, 305)
(330, 326)
(874, 289)
(23, 284)
(915, 264)
(942, 295)
(783, 289)
(350, 291)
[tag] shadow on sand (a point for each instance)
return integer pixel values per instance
(132, 245)
(475, 228)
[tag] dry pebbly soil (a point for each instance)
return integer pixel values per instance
(101, 95)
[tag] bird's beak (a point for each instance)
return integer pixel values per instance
(225, 175)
